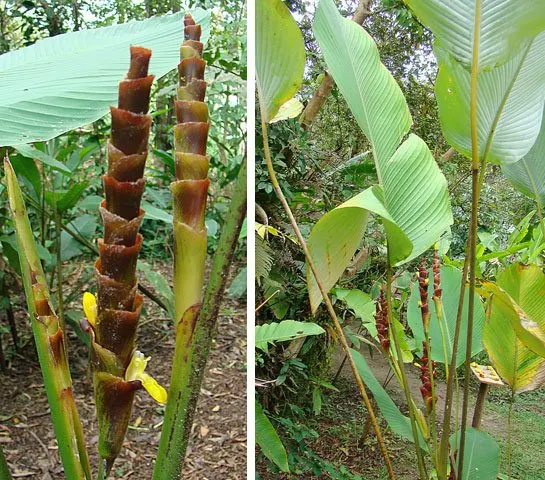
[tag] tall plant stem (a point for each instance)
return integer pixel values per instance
(327, 301)
(49, 339)
(4, 470)
(401, 369)
(475, 190)
(443, 448)
(433, 413)
(509, 427)
(192, 347)
(60, 299)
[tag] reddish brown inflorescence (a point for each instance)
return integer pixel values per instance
(381, 319)
(437, 291)
(423, 283)
(425, 377)
(119, 304)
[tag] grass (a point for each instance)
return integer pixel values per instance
(527, 435)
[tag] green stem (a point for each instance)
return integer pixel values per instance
(49, 339)
(438, 302)
(101, 475)
(323, 291)
(444, 445)
(192, 348)
(475, 190)
(509, 419)
(433, 416)
(60, 299)
(401, 365)
(4, 470)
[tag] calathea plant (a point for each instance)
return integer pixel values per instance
(118, 368)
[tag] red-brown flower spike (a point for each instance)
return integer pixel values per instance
(114, 321)
(437, 290)
(381, 320)
(190, 188)
(423, 285)
(425, 377)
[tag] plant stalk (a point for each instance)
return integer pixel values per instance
(193, 345)
(479, 405)
(401, 369)
(475, 190)
(4, 470)
(327, 301)
(49, 339)
(444, 445)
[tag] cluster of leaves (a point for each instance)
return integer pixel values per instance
(414, 209)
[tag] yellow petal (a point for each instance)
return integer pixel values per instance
(136, 367)
(157, 392)
(90, 307)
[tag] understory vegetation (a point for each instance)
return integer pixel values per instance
(61, 71)
(392, 243)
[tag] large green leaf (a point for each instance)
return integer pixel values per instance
(363, 306)
(412, 199)
(413, 204)
(269, 441)
(370, 90)
(516, 326)
(31, 152)
(482, 455)
(528, 174)
(510, 103)
(286, 330)
(67, 81)
(399, 423)
(451, 280)
(280, 56)
(505, 26)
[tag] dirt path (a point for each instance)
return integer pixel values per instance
(491, 422)
(218, 445)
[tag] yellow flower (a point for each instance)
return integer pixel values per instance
(135, 371)
(90, 308)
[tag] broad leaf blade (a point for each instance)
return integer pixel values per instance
(370, 90)
(482, 455)
(517, 322)
(280, 56)
(414, 207)
(70, 80)
(510, 103)
(284, 331)
(506, 26)
(269, 441)
(528, 174)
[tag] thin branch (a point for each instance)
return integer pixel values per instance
(323, 290)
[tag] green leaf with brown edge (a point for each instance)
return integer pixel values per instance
(280, 56)
(515, 329)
